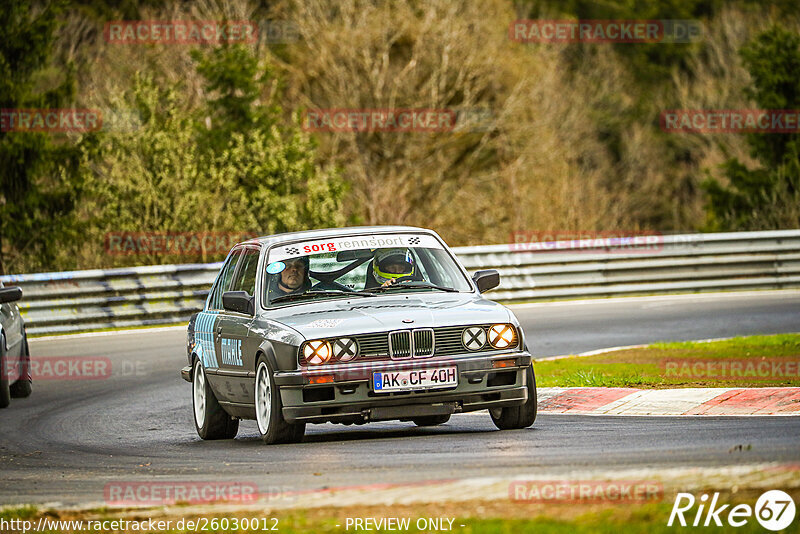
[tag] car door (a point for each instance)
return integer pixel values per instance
(232, 329)
(207, 321)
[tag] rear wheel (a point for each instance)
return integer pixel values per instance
(5, 393)
(515, 417)
(210, 420)
(271, 424)
(431, 420)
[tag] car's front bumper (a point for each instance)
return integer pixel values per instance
(350, 396)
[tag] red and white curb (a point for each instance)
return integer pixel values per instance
(684, 401)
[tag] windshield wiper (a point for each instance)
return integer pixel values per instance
(412, 285)
(317, 293)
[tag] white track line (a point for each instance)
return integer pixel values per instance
(153, 330)
(659, 298)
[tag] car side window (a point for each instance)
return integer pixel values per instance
(441, 271)
(224, 280)
(246, 276)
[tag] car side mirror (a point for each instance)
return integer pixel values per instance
(10, 294)
(486, 279)
(238, 301)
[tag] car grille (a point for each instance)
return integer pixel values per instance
(428, 342)
(373, 346)
(423, 343)
(400, 344)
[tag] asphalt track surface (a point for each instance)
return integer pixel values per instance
(71, 438)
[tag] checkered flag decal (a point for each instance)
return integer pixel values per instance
(413, 241)
(293, 250)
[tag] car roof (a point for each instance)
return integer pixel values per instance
(333, 232)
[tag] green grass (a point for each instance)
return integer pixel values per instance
(18, 512)
(662, 365)
(509, 518)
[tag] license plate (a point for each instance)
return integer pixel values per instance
(442, 377)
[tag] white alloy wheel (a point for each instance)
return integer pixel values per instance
(263, 398)
(199, 391)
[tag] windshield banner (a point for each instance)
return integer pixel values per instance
(319, 246)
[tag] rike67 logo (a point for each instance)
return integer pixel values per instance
(774, 510)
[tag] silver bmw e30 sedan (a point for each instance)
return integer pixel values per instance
(353, 325)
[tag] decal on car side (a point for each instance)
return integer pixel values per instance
(231, 351)
(204, 338)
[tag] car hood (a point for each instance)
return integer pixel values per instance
(389, 312)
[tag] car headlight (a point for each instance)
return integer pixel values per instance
(502, 336)
(474, 337)
(345, 349)
(317, 352)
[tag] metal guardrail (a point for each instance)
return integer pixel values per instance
(164, 294)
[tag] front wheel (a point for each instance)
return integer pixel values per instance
(210, 420)
(522, 416)
(271, 424)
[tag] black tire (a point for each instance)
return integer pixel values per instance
(210, 420)
(431, 420)
(22, 387)
(522, 416)
(269, 414)
(5, 393)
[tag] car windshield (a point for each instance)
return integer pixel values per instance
(360, 266)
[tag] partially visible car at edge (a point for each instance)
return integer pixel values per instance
(15, 375)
